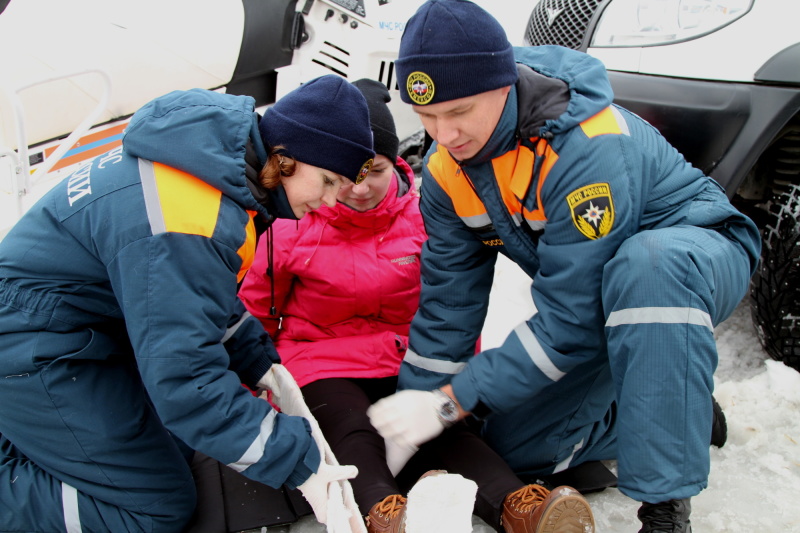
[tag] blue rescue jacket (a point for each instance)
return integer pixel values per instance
(139, 254)
(565, 178)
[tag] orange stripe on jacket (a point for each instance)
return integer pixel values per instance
(513, 172)
(248, 249)
(450, 178)
(188, 204)
(602, 123)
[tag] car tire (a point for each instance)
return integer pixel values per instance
(775, 287)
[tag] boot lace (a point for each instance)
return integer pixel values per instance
(391, 506)
(528, 497)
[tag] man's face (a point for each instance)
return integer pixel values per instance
(464, 125)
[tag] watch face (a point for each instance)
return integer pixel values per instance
(448, 410)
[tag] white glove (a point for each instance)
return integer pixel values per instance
(320, 488)
(315, 488)
(409, 417)
(277, 379)
(397, 455)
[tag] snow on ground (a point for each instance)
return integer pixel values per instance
(755, 477)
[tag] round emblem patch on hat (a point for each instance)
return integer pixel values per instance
(420, 88)
(364, 172)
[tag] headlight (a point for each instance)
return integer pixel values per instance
(653, 22)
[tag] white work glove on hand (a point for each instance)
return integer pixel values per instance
(397, 455)
(315, 488)
(275, 380)
(319, 488)
(409, 417)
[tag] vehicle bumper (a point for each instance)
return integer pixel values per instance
(721, 128)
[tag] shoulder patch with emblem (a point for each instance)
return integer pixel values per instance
(592, 210)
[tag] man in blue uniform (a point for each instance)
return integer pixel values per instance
(634, 254)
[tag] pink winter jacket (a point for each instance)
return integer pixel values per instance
(346, 288)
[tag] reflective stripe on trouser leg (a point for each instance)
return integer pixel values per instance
(664, 291)
(69, 500)
(31, 499)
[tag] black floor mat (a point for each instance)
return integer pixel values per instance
(228, 502)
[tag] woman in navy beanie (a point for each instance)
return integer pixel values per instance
(341, 331)
(323, 124)
(123, 344)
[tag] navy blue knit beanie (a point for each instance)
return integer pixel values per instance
(384, 132)
(452, 49)
(324, 123)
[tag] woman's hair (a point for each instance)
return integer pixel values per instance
(278, 165)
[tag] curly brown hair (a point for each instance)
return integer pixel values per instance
(278, 165)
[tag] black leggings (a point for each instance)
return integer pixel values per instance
(340, 406)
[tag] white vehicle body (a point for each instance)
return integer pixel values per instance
(87, 65)
(731, 53)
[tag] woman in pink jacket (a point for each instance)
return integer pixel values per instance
(338, 294)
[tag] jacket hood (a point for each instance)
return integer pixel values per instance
(585, 83)
(203, 133)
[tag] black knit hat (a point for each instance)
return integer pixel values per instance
(452, 49)
(384, 133)
(324, 123)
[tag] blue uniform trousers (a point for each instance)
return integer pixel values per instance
(663, 294)
(81, 448)
(649, 404)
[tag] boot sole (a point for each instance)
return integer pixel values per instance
(569, 513)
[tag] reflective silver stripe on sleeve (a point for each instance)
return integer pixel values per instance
(660, 315)
(563, 465)
(433, 365)
(621, 122)
(256, 449)
(231, 330)
(536, 353)
(69, 500)
(478, 221)
(151, 201)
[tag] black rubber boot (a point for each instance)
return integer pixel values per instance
(666, 517)
(719, 426)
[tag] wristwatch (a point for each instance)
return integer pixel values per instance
(447, 411)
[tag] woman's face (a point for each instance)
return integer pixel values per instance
(310, 187)
(372, 190)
